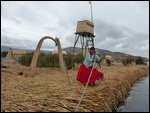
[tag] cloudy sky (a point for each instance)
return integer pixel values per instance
(118, 26)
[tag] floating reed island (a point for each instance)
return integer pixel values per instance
(49, 90)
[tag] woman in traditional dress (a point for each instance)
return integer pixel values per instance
(86, 68)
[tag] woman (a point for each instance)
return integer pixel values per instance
(86, 68)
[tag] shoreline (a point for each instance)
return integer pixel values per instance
(128, 82)
(138, 99)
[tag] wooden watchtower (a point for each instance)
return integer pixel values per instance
(84, 32)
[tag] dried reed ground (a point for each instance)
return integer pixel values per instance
(49, 90)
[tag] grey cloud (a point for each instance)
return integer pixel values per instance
(105, 30)
(122, 27)
(120, 38)
(16, 20)
(17, 43)
(143, 4)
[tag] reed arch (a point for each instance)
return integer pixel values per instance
(37, 51)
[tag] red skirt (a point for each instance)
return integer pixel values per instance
(84, 73)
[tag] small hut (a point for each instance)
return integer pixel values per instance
(109, 57)
(14, 54)
(56, 52)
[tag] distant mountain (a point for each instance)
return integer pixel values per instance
(70, 50)
(101, 51)
(4, 48)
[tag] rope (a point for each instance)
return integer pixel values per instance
(67, 73)
(84, 89)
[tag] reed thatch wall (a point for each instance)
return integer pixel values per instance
(85, 26)
(56, 52)
(13, 54)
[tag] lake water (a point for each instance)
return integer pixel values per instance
(138, 101)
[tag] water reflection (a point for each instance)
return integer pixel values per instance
(138, 100)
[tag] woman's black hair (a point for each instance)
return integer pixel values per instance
(92, 48)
